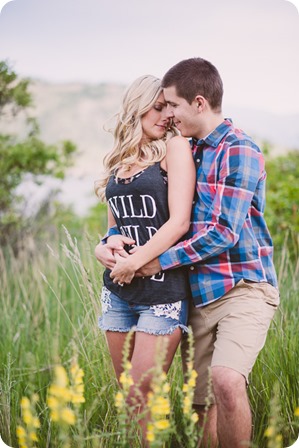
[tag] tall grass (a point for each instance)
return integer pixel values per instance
(49, 310)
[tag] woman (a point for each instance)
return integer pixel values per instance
(149, 186)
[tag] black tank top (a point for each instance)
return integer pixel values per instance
(140, 207)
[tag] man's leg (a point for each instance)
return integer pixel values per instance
(247, 311)
(234, 421)
(208, 422)
(204, 335)
(228, 335)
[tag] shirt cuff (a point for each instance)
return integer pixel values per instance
(169, 260)
(112, 231)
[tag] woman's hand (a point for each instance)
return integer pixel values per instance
(105, 253)
(124, 270)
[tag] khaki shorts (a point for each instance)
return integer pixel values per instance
(230, 332)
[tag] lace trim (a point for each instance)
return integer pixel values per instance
(168, 310)
(128, 180)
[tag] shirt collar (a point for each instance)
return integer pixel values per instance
(215, 137)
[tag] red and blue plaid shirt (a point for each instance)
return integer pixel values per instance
(228, 238)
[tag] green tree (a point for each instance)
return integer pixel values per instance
(21, 157)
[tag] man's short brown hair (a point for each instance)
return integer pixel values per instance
(196, 76)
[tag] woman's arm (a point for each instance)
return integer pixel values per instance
(105, 252)
(181, 185)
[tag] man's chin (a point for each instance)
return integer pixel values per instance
(181, 131)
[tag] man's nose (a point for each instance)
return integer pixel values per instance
(169, 111)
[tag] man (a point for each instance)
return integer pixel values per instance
(228, 250)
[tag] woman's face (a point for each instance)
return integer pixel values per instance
(155, 122)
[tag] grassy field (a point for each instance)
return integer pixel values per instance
(49, 311)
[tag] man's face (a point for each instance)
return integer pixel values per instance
(185, 116)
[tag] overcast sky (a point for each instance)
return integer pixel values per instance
(254, 44)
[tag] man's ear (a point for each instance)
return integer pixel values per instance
(200, 102)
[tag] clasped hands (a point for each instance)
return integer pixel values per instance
(114, 257)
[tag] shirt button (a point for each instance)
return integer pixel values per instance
(193, 202)
(197, 160)
(191, 268)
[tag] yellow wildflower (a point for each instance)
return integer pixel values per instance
(27, 417)
(78, 399)
(189, 366)
(61, 392)
(77, 389)
(119, 399)
(296, 413)
(126, 380)
(64, 392)
(53, 403)
(160, 406)
(163, 377)
(61, 378)
(26, 434)
(166, 388)
(33, 436)
(54, 415)
(25, 403)
(194, 417)
(269, 432)
(35, 422)
(20, 432)
(68, 416)
(187, 405)
(185, 388)
(191, 382)
(150, 435)
(127, 366)
(162, 424)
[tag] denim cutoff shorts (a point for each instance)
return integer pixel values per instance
(119, 315)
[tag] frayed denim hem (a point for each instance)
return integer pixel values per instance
(119, 330)
(164, 332)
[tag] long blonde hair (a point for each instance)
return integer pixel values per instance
(128, 147)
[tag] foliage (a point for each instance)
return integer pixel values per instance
(96, 221)
(30, 156)
(282, 209)
(14, 93)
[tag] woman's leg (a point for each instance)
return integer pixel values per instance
(116, 341)
(143, 362)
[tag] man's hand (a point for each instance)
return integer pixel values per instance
(149, 269)
(105, 252)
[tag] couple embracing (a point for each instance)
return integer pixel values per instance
(187, 244)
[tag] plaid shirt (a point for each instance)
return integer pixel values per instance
(228, 238)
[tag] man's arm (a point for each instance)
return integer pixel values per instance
(239, 172)
(149, 269)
